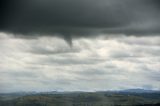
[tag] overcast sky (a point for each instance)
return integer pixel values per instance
(49, 63)
(85, 45)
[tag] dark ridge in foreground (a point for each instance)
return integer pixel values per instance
(81, 99)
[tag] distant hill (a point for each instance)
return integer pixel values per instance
(139, 91)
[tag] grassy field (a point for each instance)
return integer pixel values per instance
(82, 99)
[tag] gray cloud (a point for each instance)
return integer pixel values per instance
(19, 74)
(80, 18)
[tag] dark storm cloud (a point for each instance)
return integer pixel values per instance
(75, 18)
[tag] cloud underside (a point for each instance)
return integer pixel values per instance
(80, 17)
(100, 63)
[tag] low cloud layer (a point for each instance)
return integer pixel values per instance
(101, 63)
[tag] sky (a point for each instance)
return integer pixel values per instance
(79, 45)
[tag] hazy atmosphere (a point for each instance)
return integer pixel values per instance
(79, 45)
